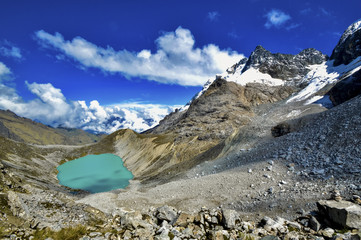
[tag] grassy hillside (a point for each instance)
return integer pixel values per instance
(25, 130)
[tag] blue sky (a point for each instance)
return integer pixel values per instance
(147, 57)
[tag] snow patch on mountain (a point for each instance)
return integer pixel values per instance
(204, 89)
(318, 78)
(235, 74)
(324, 101)
(349, 69)
(253, 75)
(235, 70)
(321, 75)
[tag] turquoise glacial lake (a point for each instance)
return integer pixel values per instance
(95, 173)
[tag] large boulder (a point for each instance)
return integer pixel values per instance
(341, 213)
(274, 225)
(230, 218)
(184, 219)
(167, 213)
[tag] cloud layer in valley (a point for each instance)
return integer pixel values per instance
(176, 60)
(52, 108)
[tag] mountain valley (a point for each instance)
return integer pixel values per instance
(267, 139)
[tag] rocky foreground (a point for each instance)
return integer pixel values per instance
(335, 219)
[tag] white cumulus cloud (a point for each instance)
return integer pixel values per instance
(52, 108)
(276, 18)
(176, 60)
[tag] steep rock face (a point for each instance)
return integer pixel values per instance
(348, 52)
(236, 66)
(346, 89)
(197, 134)
(284, 66)
(226, 103)
(222, 109)
(167, 123)
(349, 46)
(5, 132)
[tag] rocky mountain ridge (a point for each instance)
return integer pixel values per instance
(290, 68)
(232, 101)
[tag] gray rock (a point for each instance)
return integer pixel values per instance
(18, 207)
(270, 237)
(214, 220)
(230, 218)
(164, 235)
(143, 233)
(94, 234)
(127, 235)
(341, 213)
(327, 232)
(314, 224)
(184, 219)
(294, 225)
(83, 238)
(167, 213)
(274, 225)
(293, 236)
(219, 235)
(131, 220)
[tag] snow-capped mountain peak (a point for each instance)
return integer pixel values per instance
(350, 30)
(270, 69)
(306, 73)
(231, 73)
(349, 46)
(321, 75)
